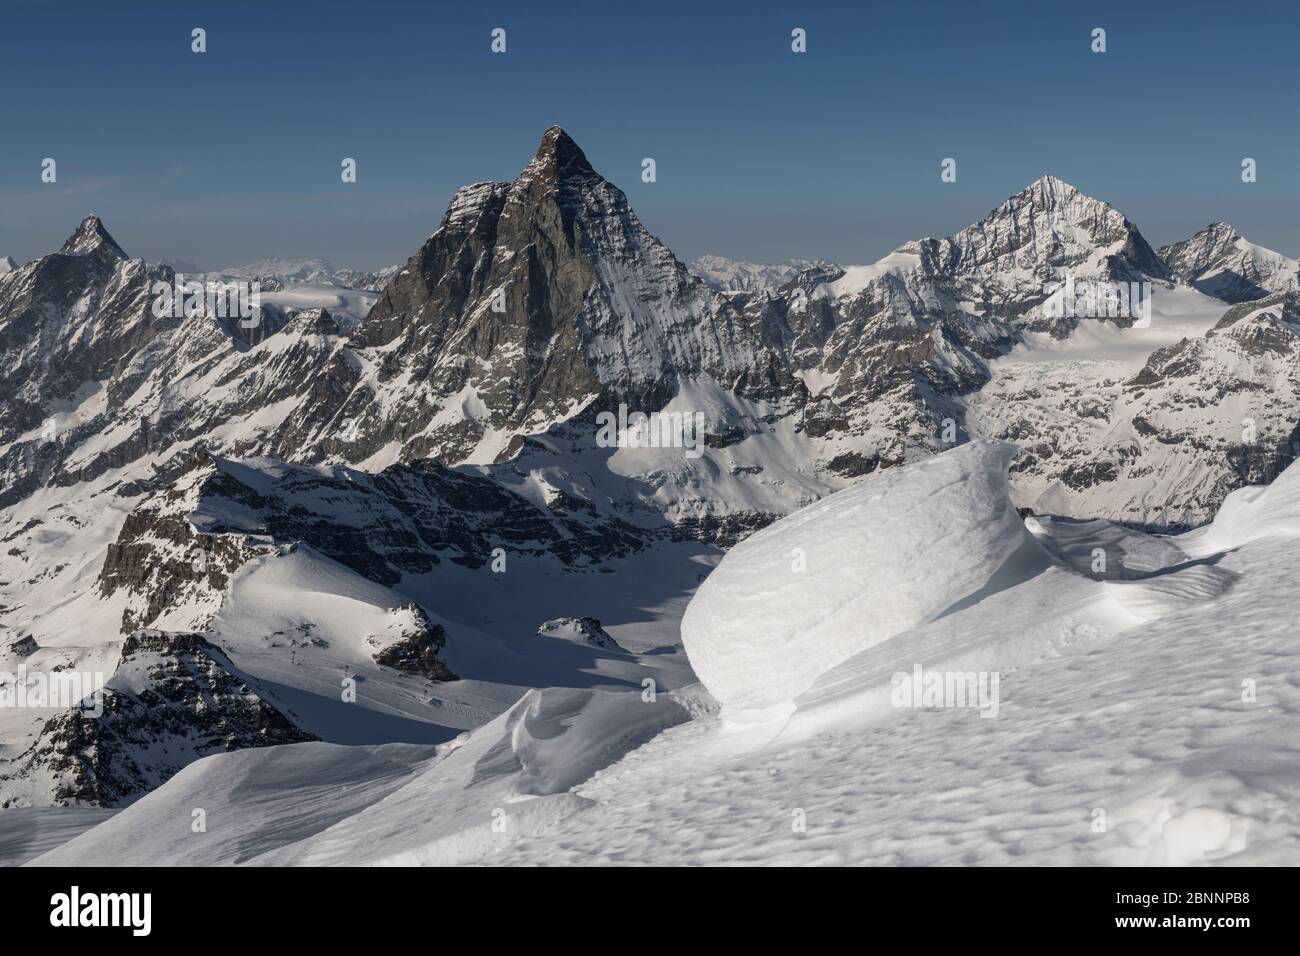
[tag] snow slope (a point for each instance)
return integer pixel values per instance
(479, 793)
(1120, 738)
(1248, 514)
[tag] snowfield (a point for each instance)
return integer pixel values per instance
(1147, 711)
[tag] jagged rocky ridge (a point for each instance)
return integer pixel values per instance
(172, 699)
(536, 305)
(179, 546)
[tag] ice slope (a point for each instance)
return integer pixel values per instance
(850, 571)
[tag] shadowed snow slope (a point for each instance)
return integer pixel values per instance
(853, 570)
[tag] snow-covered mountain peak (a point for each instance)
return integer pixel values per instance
(526, 298)
(1220, 229)
(1215, 240)
(7, 264)
(91, 236)
(1053, 190)
(1222, 263)
(1051, 215)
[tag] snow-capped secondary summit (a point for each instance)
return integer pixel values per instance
(1220, 262)
(91, 236)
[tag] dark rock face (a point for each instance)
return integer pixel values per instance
(418, 647)
(852, 464)
(161, 561)
(23, 647)
(545, 293)
(53, 342)
(173, 699)
(408, 519)
(722, 530)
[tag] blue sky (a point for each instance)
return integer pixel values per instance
(763, 154)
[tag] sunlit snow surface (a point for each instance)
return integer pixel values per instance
(1147, 715)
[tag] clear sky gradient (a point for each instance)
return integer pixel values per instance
(762, 154)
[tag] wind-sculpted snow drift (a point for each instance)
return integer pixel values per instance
(855, 569)
(1250, 513)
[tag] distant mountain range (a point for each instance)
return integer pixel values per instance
(731, 275)
(277, 272)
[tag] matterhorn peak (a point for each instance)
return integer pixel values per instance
(90, 237)
(558, 158)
